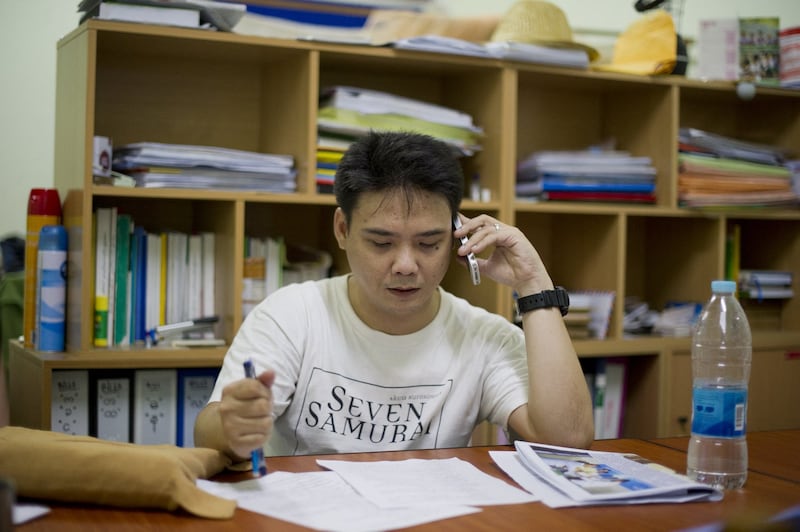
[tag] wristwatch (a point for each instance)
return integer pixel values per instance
(545, 299)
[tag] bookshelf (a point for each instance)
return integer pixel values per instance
(137, 82)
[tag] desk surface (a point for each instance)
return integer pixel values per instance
(769, 489)
(775, 453)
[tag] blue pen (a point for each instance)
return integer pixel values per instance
(257, 455)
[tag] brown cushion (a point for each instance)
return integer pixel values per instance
(55, 466)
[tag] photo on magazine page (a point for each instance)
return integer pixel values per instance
(588, 473)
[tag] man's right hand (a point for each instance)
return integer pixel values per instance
(245, 412)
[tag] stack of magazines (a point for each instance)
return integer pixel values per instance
(715, 170)
(563, 477)
(596, 175)
(155, 165)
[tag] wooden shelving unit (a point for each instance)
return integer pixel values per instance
(137, 82)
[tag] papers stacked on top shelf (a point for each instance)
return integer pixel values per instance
(564, 477)
(586, 175)
(347, 113)
(156, 165)
(352, 111)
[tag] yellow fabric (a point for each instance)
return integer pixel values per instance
(54, 466)
(647, 46)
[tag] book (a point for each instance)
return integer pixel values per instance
(138, 285)
(103, 249)
(564, 476)
(194, 389)
(178, 14)
(122, 280)
(207, 300)
(614, 399)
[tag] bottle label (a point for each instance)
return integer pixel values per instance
(719, 412)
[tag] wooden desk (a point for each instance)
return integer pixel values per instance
(775, 452)
(764, 494)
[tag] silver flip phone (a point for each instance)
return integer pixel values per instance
(472, 262)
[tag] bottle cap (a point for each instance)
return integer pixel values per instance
(44, 201)
(723, 287)
(53, 238)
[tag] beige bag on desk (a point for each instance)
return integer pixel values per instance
(54, 466)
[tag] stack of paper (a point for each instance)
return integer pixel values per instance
(718, 171)
(564, 477)
(353, 112)
(155, 165)
(586, 175)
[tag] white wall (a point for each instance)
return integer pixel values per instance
(30, 29)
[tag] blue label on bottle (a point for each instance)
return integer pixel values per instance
(719, 412)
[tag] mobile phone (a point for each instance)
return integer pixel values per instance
(472, 262)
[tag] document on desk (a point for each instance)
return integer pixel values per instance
(414, 482)
(564, 477)
(371, 496)
(322, 500)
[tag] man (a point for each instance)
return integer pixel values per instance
(383, 358)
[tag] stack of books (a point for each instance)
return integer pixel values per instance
(765, 284)
(598, 305)
(717, 171)
(595, 175)
(208, 14)
(156, 165)
(347, 113)
(146, 279)
(578, 318)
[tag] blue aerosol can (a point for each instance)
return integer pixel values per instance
(51, 289)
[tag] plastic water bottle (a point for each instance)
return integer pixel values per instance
(721, 355)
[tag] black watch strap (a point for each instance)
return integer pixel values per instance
(559, 297)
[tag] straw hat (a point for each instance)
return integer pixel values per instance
(538, 22)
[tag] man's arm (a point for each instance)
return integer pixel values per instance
(559, 409)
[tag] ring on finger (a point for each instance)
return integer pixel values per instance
(496, 227)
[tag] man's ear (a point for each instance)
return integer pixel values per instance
(340, 229)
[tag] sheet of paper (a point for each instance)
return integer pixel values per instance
(26, 512)
(416, 482)
(322, 500)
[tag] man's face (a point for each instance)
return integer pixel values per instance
(398, 256)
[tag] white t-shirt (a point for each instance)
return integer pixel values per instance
(342, 387)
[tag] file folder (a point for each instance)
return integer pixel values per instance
(155, 402)
(69, 406)
(194, 390)
(110, 397)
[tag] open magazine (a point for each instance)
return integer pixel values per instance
(563, 476)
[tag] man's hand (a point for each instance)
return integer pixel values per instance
(245, 412)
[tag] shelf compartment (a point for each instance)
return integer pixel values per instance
(771, 245)
(470, 85)
(570, 112)
(672, 259)
(581, 252)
